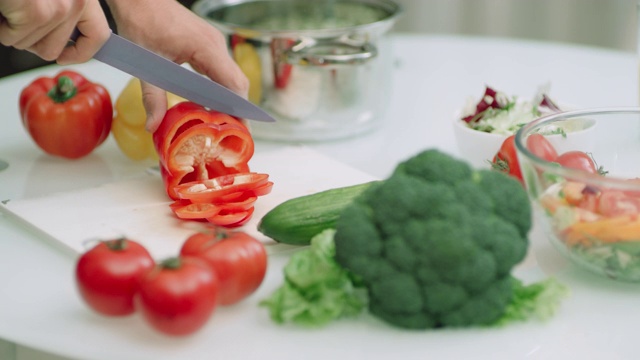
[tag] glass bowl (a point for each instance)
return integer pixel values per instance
(592, 218)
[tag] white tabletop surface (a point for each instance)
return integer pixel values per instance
(432, 78)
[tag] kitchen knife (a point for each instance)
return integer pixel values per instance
(135, 60)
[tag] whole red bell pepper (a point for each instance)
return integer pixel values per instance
(194, 143)
(66, 115)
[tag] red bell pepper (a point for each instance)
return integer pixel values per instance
(227, 200)
(66, 115)
(195, 144)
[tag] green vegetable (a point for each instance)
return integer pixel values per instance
(435, 243)
(297, 220)
(316, 289)
(539, 300)
(431, 246)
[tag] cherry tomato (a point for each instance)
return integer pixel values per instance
(506, 160)
(238, 259)
(541, 147)
(108, 275)
(578, 160)
(617, 203)
(178, 296)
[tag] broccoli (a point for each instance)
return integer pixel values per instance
(435, 243)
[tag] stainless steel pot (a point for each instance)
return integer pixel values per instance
(322, 68)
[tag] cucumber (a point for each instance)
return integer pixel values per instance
(297, 220)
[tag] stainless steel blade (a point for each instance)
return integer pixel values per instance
(135, 60)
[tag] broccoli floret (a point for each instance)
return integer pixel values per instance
(435, 243)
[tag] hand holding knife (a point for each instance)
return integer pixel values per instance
(139, 62)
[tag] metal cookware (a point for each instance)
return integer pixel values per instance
(322, 68)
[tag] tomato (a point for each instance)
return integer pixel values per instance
(178, 296)
(506, 160)
(67, 115)
(108, 275)
(541, 147)
(196, 144)
(578, 160)
(616, 203)
(238, 259)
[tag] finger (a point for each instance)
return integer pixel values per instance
(154, 100)
(94, 30)
(52, 44)
(25, 36)
(214, 61)
(25, 25)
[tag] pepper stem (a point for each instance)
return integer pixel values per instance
(64, 90)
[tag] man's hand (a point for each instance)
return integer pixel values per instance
(173, 31)
(43, 27)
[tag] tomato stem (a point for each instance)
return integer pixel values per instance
(64, 90)
(171, 263)
(119, 244)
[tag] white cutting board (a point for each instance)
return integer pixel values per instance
(139, 208)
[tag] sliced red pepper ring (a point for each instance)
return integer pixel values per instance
(194, 211)
(239, 205)
(231, 218)
(243, 221)
(182, 117)
(242, 195)
(263, 189)
(212, 190)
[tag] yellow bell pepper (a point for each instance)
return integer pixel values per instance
(128, 127)
(248, 60)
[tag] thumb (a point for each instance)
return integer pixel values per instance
(154, 100)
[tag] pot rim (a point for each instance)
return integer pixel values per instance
(394, 10)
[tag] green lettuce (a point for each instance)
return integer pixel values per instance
(316, 289)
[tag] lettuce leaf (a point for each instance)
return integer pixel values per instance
(539, 300)
(316, 290)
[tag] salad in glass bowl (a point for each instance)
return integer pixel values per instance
(590, 210)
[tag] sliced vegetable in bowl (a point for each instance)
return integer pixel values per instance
(590, 209)
(483, 125)
(496, 113)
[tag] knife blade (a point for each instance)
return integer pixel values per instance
(148, 66)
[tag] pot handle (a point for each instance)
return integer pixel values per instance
(328, 53)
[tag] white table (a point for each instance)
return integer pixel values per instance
(432, 77)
